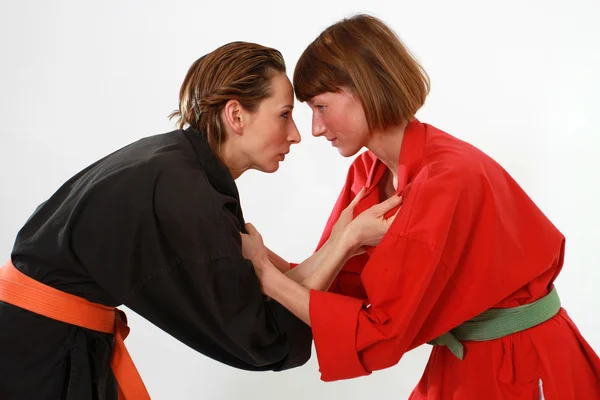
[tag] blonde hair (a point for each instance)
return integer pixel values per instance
(236, 71)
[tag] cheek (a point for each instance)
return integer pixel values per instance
(334, 123)
(356, 127)
(273, 136)
(344, 128)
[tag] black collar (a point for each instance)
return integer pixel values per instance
(217, 173)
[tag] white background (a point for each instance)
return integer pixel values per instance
(519, 79)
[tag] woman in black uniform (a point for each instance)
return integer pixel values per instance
(156, 226)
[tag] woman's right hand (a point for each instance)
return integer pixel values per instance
(368, 228)
(346, 216)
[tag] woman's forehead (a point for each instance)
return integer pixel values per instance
(329, 96)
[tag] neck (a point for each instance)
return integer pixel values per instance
(386, 146)
(234, 159)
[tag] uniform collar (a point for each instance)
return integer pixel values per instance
(216, 172)
(411, 155)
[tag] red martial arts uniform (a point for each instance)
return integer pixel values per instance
(467, 239)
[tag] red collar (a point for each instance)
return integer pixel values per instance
(411, 155)
(411, 152)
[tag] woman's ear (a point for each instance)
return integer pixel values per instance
(233, 116)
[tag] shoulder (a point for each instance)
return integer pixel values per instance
(160, 151)
(168, 159)
(125, 178)
(454, 161)
(159, 172)
(138, 160)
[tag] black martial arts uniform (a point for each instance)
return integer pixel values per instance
(154, 226)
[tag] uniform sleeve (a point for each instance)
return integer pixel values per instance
(216, 308)
(404, 281)
(175, 258)
(213, 296)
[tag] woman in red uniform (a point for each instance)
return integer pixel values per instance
(468, 264)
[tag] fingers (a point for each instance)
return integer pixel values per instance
(359, 251)
(391, 219)
(251, 229)
(386, 205)
(357, 198)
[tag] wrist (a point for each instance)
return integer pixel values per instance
(268, 278)
(346, 244)
(350, 240)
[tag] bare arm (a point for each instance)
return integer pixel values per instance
(309, 266)
(278, 262)
(288, 293)
(367, 229)
(305, 269)
(302, 270)
(294, 295)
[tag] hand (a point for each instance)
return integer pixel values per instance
(253, 249)
(368, 228)
(346, 217)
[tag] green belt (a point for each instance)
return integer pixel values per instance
(498, 322)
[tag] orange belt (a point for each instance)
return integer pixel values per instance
(22, 291)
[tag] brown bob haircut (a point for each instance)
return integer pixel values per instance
(235, 71)
(365, 56)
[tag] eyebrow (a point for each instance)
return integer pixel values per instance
(287, 106)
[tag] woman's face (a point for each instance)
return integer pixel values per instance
(340, 118)
(270, 131)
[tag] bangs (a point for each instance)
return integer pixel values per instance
(365, 56)
(317, 72)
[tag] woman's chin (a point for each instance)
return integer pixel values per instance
(347, 152)
(269, 167)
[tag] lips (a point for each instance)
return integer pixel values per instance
(282, 155)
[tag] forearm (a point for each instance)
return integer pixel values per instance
(304, 270)
(289, 294)
(278, 262)
(296, 297)
(330, 263)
